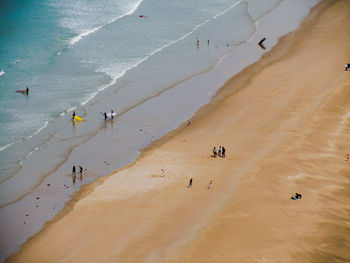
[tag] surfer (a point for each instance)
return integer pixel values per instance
(142, 16)
(73, 115)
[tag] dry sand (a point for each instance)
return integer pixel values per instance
(286, 130)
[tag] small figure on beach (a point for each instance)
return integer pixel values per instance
(73, 115)
(347, 156)
(223, 151)
(188, 123)
(112, 114)
(190, 184)
(81, 173)
(27, 90)
(210, 184)
(163, 173)
(197, 41)
(219, 152)
(105, 114)
(346, 67)
(73, 170)
(214, 152)
(208, 41)
(296, 196)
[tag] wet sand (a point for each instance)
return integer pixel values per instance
(286, 130)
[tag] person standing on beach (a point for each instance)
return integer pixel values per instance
(81, 172)
(73, 170)
(197, 40)
(27, 90)
(105, 116)
(220, 150)
(346, 67)
(210, 184)
(223, 151)
(347, 156)
(214, 152)
(190, 184)
(163, 173)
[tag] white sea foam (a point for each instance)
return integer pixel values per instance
(9, 145)
(77, 38)
(2, 73)
(119, 75)
(39, 130)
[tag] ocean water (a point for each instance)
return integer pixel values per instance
(92, 56)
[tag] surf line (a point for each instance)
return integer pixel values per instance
(77, 38)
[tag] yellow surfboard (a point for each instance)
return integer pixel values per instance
(77, 118)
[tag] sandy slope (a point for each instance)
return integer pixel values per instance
(286, 130)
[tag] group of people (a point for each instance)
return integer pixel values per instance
(112, 115)
(74, 173)
(198, 41)
(296, 196)
(221, 152)
(347, 66)
(191, 183)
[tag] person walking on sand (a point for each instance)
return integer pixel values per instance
(190, 184)
(163, 173)
(210, 184)
(80, 170)
(73, 170)
(220, 151)
(346, 67)
(214, 152)
(347, 156)
(223, 151)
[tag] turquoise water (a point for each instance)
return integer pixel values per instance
(96, 55)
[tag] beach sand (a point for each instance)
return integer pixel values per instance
(285, 129)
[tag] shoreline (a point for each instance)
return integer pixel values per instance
(108, 139)
(199, 117)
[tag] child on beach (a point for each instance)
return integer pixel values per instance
(209, 186)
